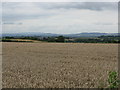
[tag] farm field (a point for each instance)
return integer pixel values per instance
(19, 40)
(57, 65)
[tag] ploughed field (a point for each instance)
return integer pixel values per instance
(57, 65)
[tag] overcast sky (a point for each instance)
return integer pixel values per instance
(60, 17)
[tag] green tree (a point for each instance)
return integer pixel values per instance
(60, 39)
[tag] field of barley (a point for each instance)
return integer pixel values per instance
(57, 65)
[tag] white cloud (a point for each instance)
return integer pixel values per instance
(59, 17)
(60, 0)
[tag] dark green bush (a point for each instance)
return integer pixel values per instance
(113, 80)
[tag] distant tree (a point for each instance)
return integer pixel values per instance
(60, 39)
(9, 37)
(51, 39)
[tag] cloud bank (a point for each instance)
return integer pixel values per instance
(60, 17)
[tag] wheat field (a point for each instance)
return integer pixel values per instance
(57, 65)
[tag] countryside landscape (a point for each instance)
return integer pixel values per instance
(60, 45)
(59, 61)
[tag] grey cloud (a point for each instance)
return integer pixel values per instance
(81, 5)
(19, 11)
(11, 11)
(103, 23)
(14, 17)
(8, 23)
(12, 23)
(0, 11)
(119, 6)
(65, 5)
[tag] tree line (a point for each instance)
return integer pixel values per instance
(100, 39)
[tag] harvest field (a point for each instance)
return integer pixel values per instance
(60, 65)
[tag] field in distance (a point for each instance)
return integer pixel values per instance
(19, 40)
(60, 65)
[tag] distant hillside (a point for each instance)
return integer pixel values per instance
(54, 35)
(30, 34)
(91, 34)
